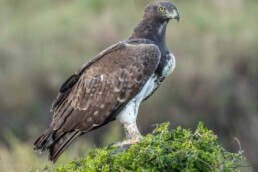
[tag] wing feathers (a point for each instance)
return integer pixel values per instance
(99, 91)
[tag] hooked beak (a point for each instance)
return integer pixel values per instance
(174, 15)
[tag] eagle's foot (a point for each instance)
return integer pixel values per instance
(124, 145)
(128, 143)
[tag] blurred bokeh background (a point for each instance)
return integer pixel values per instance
(215, 81)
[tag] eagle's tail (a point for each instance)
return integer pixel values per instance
(55, 142)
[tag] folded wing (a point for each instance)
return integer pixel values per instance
(97, 93)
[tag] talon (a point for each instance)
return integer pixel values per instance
(121, 149)
(127, 142)
(124, 145)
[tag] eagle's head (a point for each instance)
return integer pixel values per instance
(161, 10)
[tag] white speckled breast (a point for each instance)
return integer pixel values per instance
(171, 64)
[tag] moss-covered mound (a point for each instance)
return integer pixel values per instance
(163, 150)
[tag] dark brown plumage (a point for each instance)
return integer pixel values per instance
(97, 93)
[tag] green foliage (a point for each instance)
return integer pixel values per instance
(163, 150)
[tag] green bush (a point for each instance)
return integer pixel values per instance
(163, 150)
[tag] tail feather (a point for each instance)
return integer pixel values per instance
(63, 142)
(55, 142)
(44, 141)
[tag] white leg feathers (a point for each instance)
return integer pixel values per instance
(128, 117)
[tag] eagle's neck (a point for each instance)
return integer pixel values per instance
(152, 29)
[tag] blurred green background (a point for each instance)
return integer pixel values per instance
(43, 42)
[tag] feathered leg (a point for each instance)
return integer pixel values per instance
(127, 118)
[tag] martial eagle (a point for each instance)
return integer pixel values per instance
(113, 84)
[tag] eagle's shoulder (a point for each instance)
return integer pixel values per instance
(72, 80)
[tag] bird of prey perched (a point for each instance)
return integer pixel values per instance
(113, 84)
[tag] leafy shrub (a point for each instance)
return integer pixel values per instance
(163, 150)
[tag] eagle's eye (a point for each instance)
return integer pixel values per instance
(162, 9)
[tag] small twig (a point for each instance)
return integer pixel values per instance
(204, 162)
(239, 144)
(121, 149)
(197, 133)
(242, 166)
